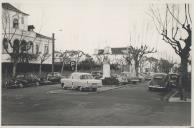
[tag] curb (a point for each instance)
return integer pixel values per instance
(122, 86)
(169, 95)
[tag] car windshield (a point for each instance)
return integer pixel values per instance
(158, 79)
(173, 77)
(86, 77)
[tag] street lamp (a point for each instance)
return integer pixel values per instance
(53, 51)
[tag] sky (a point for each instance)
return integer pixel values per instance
(92, 24)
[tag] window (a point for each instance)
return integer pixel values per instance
(22, 20)
(32, 46)
(23, 46)
(5, 45)
(16, 46)
(15, 23)
(46, 50)
(37, 49)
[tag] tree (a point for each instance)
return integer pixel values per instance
(17, 49)
(100, 56)
(43, 58)
(175, 28)
(65, 57)
(153, 63)
(88, 63)
(165, 65)
(137, 54)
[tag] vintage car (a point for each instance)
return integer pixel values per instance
(96, 74)
(173, 80)
(119, 79)
(159, 81)
(23, 80)
(56, 77)
(81, 81)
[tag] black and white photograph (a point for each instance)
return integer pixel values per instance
(96, 63)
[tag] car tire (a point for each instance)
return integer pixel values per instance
(21, 85)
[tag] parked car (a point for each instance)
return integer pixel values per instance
(122, 79)
(81, 81)
(97, 74)
(56, 77)
(159, 81)
(23, 80)
(173, 80)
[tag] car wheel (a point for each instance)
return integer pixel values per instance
(21, 85)
(37, 83)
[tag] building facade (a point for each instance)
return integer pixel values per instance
(16, 31)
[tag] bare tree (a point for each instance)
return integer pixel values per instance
(100, 56)
(153, 63)
(175, 27)
(66, 57)
(43, 58)
(137, 54)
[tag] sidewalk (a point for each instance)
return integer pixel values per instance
(174, 96)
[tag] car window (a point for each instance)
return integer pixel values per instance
(174, 77)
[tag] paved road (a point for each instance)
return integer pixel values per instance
(132, 105)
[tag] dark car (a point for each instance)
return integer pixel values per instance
(159, 81)
(97, 74)
(55, 78)
(22, 80)
(172, 80)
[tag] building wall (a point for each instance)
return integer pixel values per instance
(22, 33)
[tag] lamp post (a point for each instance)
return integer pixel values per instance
(53, 52)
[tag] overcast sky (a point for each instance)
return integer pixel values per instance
(92, 24)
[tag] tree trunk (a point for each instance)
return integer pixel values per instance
(183, 82)
(62, 67)
(14, 69)
(40, 69)
(136, 69)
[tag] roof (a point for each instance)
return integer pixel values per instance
(115, 51)
(8, 6)
(118, 50)
(43, 36)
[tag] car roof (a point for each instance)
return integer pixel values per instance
(173, 74)
(80, 73)
(159, 74)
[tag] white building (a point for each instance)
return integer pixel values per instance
(16, 30)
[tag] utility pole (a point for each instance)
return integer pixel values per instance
(53, 53)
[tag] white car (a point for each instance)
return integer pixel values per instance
(81, 81)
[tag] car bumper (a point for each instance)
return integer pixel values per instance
(157, 87)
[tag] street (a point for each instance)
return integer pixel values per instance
(131, 105)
